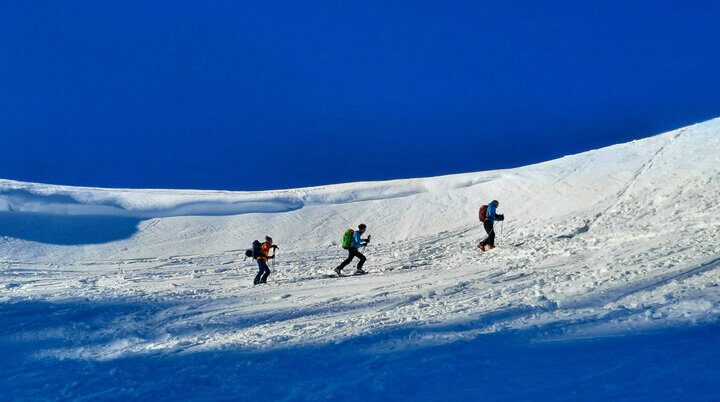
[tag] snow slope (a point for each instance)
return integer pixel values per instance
(617, 241)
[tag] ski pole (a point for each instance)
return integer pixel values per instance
(502, 225)
(274, 257)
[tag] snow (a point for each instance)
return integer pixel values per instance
(101, 289)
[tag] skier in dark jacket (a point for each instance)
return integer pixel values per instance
(262, 259)
(490, 217)
(355, 245)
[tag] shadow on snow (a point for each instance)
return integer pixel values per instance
(672, 364)
(67, 230)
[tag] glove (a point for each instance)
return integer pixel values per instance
(501, 217)
(270, 257)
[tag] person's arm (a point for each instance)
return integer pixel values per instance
(358, 240)
(266, 250)
(491, 212)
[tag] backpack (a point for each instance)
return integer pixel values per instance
(256, 252)
(483, 213)
(347, 239)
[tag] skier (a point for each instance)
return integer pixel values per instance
(490, 217)
(352, 243)
(262, 259)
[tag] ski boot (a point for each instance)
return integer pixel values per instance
(360, 271)
(481, 247)
(338, 271)
(490, 247)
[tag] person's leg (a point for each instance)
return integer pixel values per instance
(491, 236)
(260, 271)
(362, 259)
(351, 254)
(265, 271)
(488, 225)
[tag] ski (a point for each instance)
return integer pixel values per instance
(348, 275)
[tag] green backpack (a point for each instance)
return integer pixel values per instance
(347, 239)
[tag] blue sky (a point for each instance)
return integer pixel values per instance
(260, 95)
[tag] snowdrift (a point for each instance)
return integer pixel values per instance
(611, 241)
(658, 173)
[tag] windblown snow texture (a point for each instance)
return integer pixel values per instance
(108, 292)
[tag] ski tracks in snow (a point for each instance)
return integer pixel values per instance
(626, 255)
(205, 302)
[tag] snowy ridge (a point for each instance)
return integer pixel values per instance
(610, 241)
(66, 200)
